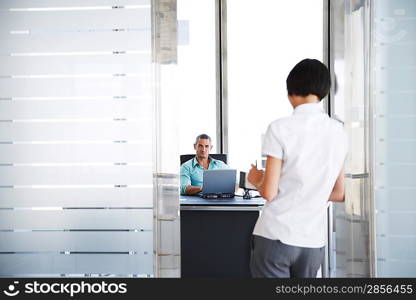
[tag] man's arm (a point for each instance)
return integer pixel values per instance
(267, 182)
(192, 190)
(338, 192)
(185, 179)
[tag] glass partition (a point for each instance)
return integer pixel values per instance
(394, 98)
(76, 119)
(350, 235)
(187, 105)
(374, 229)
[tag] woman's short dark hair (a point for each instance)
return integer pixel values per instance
(309, 76)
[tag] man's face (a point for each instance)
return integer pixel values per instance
(202, 147)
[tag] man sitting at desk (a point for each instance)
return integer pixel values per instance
(191, 171)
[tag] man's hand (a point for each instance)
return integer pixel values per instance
(192, 190)
(255, 176)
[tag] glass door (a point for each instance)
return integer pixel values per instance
(394, 121)
(350, 225)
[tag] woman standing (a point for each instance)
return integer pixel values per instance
(304, 169)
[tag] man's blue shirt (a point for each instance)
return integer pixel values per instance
(191, 172)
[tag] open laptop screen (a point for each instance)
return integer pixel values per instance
(219, 181)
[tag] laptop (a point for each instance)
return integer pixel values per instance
(218, 184)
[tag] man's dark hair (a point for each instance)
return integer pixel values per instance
(202, 136)
(309, 76)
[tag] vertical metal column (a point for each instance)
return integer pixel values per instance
(371, 136)
(221, 75)
(326, 265)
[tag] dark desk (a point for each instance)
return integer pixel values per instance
(215, 236)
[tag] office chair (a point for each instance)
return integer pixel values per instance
(219, 156)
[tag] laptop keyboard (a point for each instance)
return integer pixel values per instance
(217, 196)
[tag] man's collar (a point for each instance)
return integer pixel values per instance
(308, 108)
(195, 161)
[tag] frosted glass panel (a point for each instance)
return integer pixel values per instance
(396, 223)
(395, 8)
(392, 54)
(71, 131)
(53, 3)
(79, 264)
(395, 137)
(396, 268)
(107, 63)
(93, 85)
(396, 103)
(400, 175)
(76, 153)
(90, 41)
(389, 80)
(75, 109)
(395, 128)
(76, 241)
(75, 20)
(78, 196)
(403, 199)
(75, 175)
(76, 138)
(140, 219)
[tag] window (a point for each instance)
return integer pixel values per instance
(265, 41)
(189, 86)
